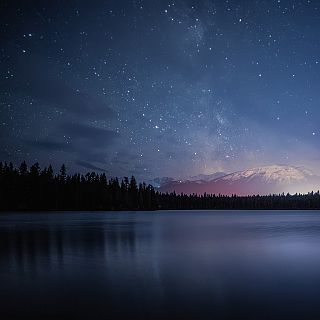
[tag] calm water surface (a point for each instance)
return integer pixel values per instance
(187, 264)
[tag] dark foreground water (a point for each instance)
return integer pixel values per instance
(166, 265)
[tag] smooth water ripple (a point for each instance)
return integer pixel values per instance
(170, 264)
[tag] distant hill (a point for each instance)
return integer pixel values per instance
(261, 180)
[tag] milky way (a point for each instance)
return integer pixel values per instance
(157, 88)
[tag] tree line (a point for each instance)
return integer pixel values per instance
(33, 188)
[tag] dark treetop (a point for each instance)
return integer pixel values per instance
(36, 189)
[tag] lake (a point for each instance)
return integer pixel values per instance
(164, 264)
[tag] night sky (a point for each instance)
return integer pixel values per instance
(160, 88)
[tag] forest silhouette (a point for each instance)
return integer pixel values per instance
(33, 188)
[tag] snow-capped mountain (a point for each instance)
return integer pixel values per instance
(261, 180)
(275, 173)
(206, 177)
(159, 182)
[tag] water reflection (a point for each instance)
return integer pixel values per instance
(191, 265)
(26, 246)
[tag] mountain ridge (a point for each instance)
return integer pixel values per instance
(259, 180)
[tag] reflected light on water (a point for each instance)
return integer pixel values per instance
(191, 265)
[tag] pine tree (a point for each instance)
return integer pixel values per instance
(63, 173)
(23, 169)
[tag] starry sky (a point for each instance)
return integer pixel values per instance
(160, 88)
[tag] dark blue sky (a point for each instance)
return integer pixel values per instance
(160, 88)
